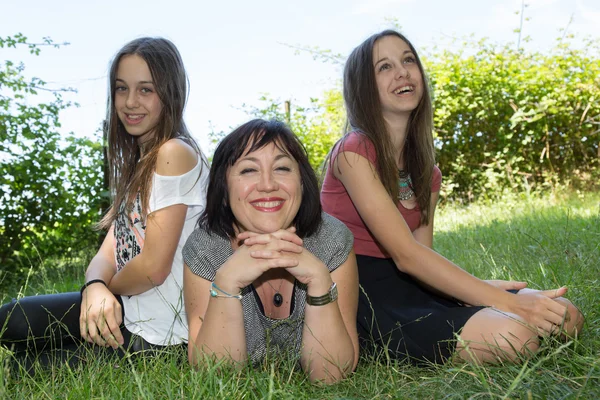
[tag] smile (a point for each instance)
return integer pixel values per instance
(133, 119)
(270, 204)
(404, 89)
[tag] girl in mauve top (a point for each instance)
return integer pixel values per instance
(382, 183)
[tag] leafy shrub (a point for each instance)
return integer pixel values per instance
(51, 183)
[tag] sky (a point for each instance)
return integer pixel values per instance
(235, 51)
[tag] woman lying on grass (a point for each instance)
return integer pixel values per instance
(267, 272)
(383, 184)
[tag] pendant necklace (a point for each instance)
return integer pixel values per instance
(405, 191)
(277, 297)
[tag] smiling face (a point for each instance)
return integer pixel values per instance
(265, 190)
(137, 103)
(398, 77)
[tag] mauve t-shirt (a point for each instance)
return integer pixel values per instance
(336, 201)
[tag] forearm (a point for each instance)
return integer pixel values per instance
(327, 349)
(221, 333)
(436, 271)
(100, 268)
(139, 275)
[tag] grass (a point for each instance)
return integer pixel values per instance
(548, 242)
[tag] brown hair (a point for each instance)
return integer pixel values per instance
(130, 172)
(363, 109)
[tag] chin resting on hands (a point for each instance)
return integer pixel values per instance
(242, 268)
(309, 269)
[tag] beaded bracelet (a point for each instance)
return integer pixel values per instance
(85, 285)
(214, 292)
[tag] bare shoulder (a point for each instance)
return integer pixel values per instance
(349, 163)
(176, 157)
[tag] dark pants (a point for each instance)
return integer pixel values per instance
(46, 329)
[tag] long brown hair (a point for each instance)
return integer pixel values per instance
(130, 172)
(364, 113)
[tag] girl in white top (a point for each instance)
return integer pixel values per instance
(132, 297)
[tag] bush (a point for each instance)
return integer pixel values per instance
(51, 183)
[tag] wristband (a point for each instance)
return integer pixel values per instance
(214, 292)
(329, 297)
(85, 285)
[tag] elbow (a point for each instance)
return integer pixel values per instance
(329, 377)
(159, 274)
(158, 279)
(403, 263)
(192, 355)
(330, 373)
(407, 258)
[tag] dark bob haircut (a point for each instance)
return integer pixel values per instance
(217, 217)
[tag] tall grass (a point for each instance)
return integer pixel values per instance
(548, 242)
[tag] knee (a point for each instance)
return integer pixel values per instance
(574, 319)
(13, 323)
(519, 341)
(493, 337)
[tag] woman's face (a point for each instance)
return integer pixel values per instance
(137, 104)
(398, 77)
(265, 190)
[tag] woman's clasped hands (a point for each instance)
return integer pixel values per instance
(261, 252)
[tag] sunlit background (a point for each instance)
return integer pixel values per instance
(235, 51)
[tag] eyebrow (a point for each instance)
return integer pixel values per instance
(387, 58)
(142, 82)
(254, 159)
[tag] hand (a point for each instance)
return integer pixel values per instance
(540, 310)
(289, 234)
(507, 285)
(258, 254)
(309, 270)
(100, 317)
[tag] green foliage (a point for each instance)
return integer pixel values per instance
(505, 119)
(318, 126)
(511, 120)
(50, 183)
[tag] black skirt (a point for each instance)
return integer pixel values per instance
(396, 314)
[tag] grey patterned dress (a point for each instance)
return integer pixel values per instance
(205, 254)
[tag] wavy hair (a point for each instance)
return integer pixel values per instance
(364, 114)
(130, 172)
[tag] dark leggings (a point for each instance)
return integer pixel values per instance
(46, 329)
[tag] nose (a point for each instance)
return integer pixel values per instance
(267, 183)
(132, 100)
(402, 72)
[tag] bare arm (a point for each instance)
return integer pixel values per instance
(152, 266)
(330, 350)
(424, 233)
(386, 223)
(101, 315)
(216, 325)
